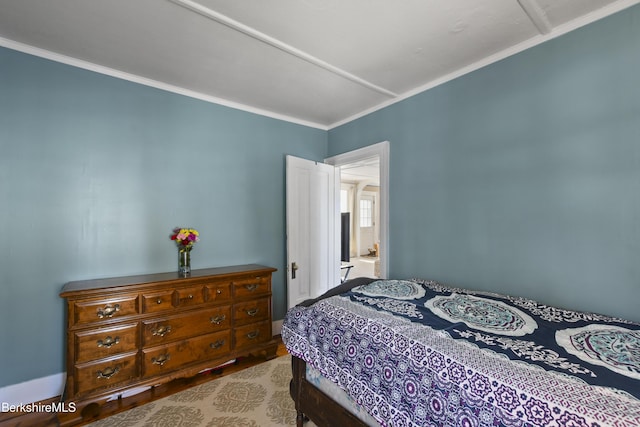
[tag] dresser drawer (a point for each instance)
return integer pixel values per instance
(160, 360)
(104, 309)
(103, 374)
(252, 287)
(157, 301)
(160, 331)
(249, 335)
(218, 292)
(187, 297)
(251, 311)
(104, 342)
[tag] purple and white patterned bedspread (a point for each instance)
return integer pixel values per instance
(417, 353)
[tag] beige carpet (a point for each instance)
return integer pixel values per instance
(255, 397)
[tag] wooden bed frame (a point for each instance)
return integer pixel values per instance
(312, 404)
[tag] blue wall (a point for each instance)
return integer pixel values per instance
(523, 177)
(94, 174)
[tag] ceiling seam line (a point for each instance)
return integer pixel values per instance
(273, 42)
(558, 31)
(536, 15)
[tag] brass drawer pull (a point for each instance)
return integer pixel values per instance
(161, 360)
(218, 291)
(253, 311)
(251, 287)
(108, 373)
(108, 342)
(190, 296)
(216, 345)
(218, 319)
(253, 335)
(108, 311)
(159, 301)
(161, 331)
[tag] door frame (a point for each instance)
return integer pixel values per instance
(381, 149)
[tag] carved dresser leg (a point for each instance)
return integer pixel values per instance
(300, 418)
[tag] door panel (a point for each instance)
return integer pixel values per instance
(313, 258)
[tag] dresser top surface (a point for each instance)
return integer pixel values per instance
(71, 288)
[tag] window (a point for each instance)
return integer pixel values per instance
(366, 213)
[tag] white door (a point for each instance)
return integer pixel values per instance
(313, 240)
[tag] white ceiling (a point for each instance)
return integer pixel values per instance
(316, 62)
(363, 171)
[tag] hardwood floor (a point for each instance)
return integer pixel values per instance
(40, 419)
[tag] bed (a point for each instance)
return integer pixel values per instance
(419, 353)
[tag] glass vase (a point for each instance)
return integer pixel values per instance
(184, 261)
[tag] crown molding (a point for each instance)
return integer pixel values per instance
(74, 62)
(555, 32)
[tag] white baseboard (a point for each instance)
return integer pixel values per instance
(53, 385)
(33, 390)
(276, 327)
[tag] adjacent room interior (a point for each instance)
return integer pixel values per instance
(359, 209)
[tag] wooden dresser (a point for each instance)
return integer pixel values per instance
(129, 332)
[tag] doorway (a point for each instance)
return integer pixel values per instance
(364, 196)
